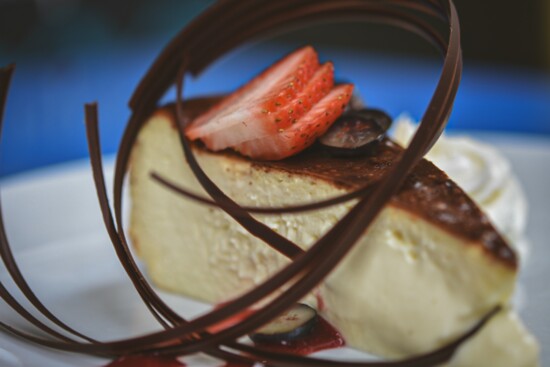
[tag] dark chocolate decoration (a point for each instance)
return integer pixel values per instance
(356, 132)
(225, 25)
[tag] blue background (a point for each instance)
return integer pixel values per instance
(44, 115)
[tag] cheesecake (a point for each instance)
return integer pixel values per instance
(426, 270)
(484, 173)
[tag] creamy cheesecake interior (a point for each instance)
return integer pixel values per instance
(425, 271)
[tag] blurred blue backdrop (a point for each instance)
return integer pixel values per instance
(72, 52)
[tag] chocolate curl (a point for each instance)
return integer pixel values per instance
(241, 21)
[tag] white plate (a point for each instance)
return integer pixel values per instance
(56, 231)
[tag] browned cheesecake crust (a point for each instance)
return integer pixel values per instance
(427, 192)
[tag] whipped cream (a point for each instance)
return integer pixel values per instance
(484, 173)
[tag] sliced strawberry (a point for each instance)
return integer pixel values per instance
(243, 115)
(316, 88)
(304, 132)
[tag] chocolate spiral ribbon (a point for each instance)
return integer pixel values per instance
(221, 28)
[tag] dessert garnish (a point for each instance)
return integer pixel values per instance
(277, 114)
(312, 334)
(291, 324)
(224, 26)
(356, 132)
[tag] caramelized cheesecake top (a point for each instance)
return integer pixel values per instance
(427, 192)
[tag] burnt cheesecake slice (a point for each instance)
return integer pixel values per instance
(427, 269)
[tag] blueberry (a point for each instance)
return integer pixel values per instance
(356, 132)
(292, 324)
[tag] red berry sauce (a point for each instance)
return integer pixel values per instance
(145, 361)
(322, 336)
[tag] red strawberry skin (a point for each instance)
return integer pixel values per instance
(277, 114)
(316, 88)
(304, 132)
(243, 115)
